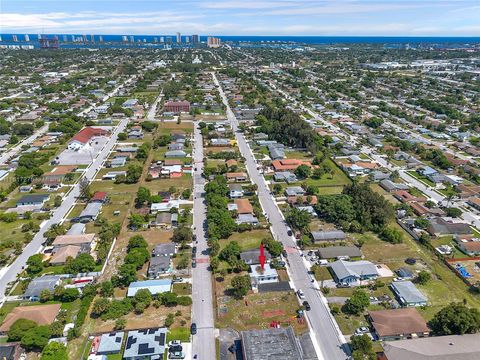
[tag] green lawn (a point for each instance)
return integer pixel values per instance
(182, 289)
(248, 239)
(421, 178)
(178, 333)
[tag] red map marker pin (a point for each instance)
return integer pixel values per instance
(262, 257)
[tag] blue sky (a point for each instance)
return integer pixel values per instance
(235, 17)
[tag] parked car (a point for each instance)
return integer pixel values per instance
(306, 305)
(361, 330)
(194, 263)
(174, 342)
(193, 328)
(300, 294)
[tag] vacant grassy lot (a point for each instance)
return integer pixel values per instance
(257, 311)
(338, 178)
(248, 239)
(180, 184)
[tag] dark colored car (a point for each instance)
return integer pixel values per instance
(194, 250)
(194, 264)
(193, 328)
(232, 348)
(289, 233)
(306, 305)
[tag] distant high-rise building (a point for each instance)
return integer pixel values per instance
(195, 39)
(162, 39)
(124, 38)
(169, 40)
(187, 39)
(92, 38)
(132, 38)
(27, 38)
(64, 38)
(73, 38)
(14, 38)
(179, 38)
(100, 38)
(213, 42)
(155, 39)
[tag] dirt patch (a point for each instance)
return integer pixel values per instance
(270, 314)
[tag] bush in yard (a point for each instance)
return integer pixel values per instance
(19, 328)
(120, 324)
(362, 347)
(54, 351)
(35, 264)
(455, 319)
(36, 338)
(423, 277)
(184, 300)
(240, 285)
(106, 289)
(392, 235)
(81, 264)
(169, 320)
(357, 303)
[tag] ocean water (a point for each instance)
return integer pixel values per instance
(152, 40)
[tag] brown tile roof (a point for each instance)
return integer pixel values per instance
(288, 164)
(61, 170)
(398, 322)
(41, 314)
(232, 175)
(61, 256)
(169, 162)
(303, 200)
(73, 239)
(243, 206)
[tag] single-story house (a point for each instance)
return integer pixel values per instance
(353, 272)
(90, 213)
(164, 206)
(236, 191)
(165, 220)
(396, 324)
(251, 257)
(247, 219)
(41, 314)
(468, 245)
(334, 252)
(243, 206)
(60, 256)
(86, 242)
(158, 265)
(175, 154)
(112, 175)
(286, 176)
(390, 186)
(439, 227)
(408, 294)
(259, 276)
(99, 196)
(288, 164)
(335, 235)
(110, 343)
(154, 286)
(166, 249)
(464, 347)
(33, 200)
(83, 137)
(236, 176)
(145, 344)
(294, 191)
(37, 285)
(272, 343)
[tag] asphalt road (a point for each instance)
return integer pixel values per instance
(202, 309)
(9, 273)
(27, 141)
(329, 342)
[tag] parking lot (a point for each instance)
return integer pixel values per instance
(83, 156)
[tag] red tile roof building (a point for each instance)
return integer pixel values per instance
(288, 164)
(177, 106)
(85, 135)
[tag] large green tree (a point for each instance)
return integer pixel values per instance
(455, 319)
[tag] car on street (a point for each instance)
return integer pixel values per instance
(194, 263)
(193, 328)
(300, 294)
(306, 305)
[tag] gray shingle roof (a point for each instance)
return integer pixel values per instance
(408, 292)
(357, 269)
(110, 343)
